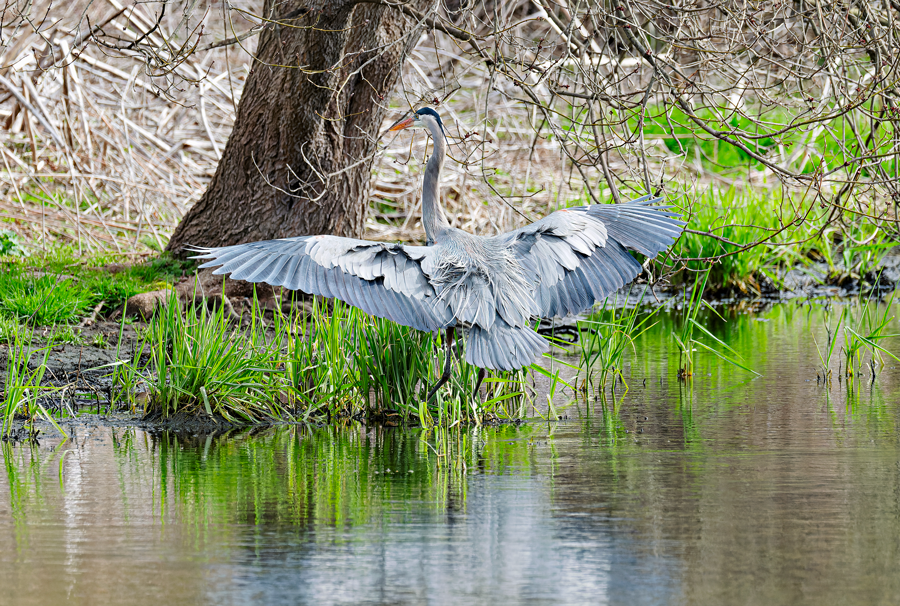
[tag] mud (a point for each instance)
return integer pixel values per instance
(193, 423)
(183, 425)
(69, 359)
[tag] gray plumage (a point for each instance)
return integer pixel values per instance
(495, 287)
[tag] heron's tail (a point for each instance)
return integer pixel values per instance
(503, 347)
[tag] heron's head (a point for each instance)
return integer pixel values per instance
(423, 118)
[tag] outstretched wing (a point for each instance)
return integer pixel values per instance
(385, 280)
(577, 256)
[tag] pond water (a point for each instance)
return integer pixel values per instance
(727, 489)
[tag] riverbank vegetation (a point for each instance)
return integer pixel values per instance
(317, 361)
(195, 370)
(333, 362)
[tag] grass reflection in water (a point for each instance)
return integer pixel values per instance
(331, 475)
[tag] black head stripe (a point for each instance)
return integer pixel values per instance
(430, 112)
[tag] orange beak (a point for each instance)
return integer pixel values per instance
(402, 123)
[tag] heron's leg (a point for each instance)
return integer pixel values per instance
(481, 373)
(447, 358)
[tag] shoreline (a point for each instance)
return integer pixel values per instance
(82, 376)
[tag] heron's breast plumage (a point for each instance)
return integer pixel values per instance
(481, 279)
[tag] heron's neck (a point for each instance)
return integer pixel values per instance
(433, 217)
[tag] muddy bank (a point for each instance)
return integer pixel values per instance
(83, 388)
(182, 425)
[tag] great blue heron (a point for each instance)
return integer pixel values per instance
(492, 286)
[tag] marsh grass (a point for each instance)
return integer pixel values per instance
(850, 249)
(202, 364)
(391, 361)
(860, 327)
(398, 365)
(611, 331)
(128, 375)
(40, 299)
(335, 362)
(23, 389)
(826, 351)
(864, 327)
(9, 328)
(317, 359)
(347, 362)
(686, 340)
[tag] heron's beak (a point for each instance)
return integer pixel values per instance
(402, 123)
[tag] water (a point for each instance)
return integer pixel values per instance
(769, 490)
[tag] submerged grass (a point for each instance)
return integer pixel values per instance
(860, 327)
(863, 330)
(611, 331)
(686, 340)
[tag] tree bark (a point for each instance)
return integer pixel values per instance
(299, 158)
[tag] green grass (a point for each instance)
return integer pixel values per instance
(201, 364)
(686, 340)
(337, 362)
(23, 388)
(9, 328)
(834, 145)
(41, 299)
(793, 235)
(862, 326)
(60, 289)
(391, 361)
(611, 332)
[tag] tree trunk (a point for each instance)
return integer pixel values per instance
(299, 158)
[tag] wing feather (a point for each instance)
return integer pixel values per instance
(386, 279)
(499, 356)
(271, 272)
(321, 280)
(576, 257)
(237, 261)
(373, 295)
(358, 294)
(409, 313)
(231, 252)
(291, 273)
(333, 279)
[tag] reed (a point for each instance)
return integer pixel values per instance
(391, 363)
(611, 330)
(826, 352)
(686, 340)
(23, 392)
(127, 374)
(864, 326)
(334, 362)
(317, 359)
(201, 364)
